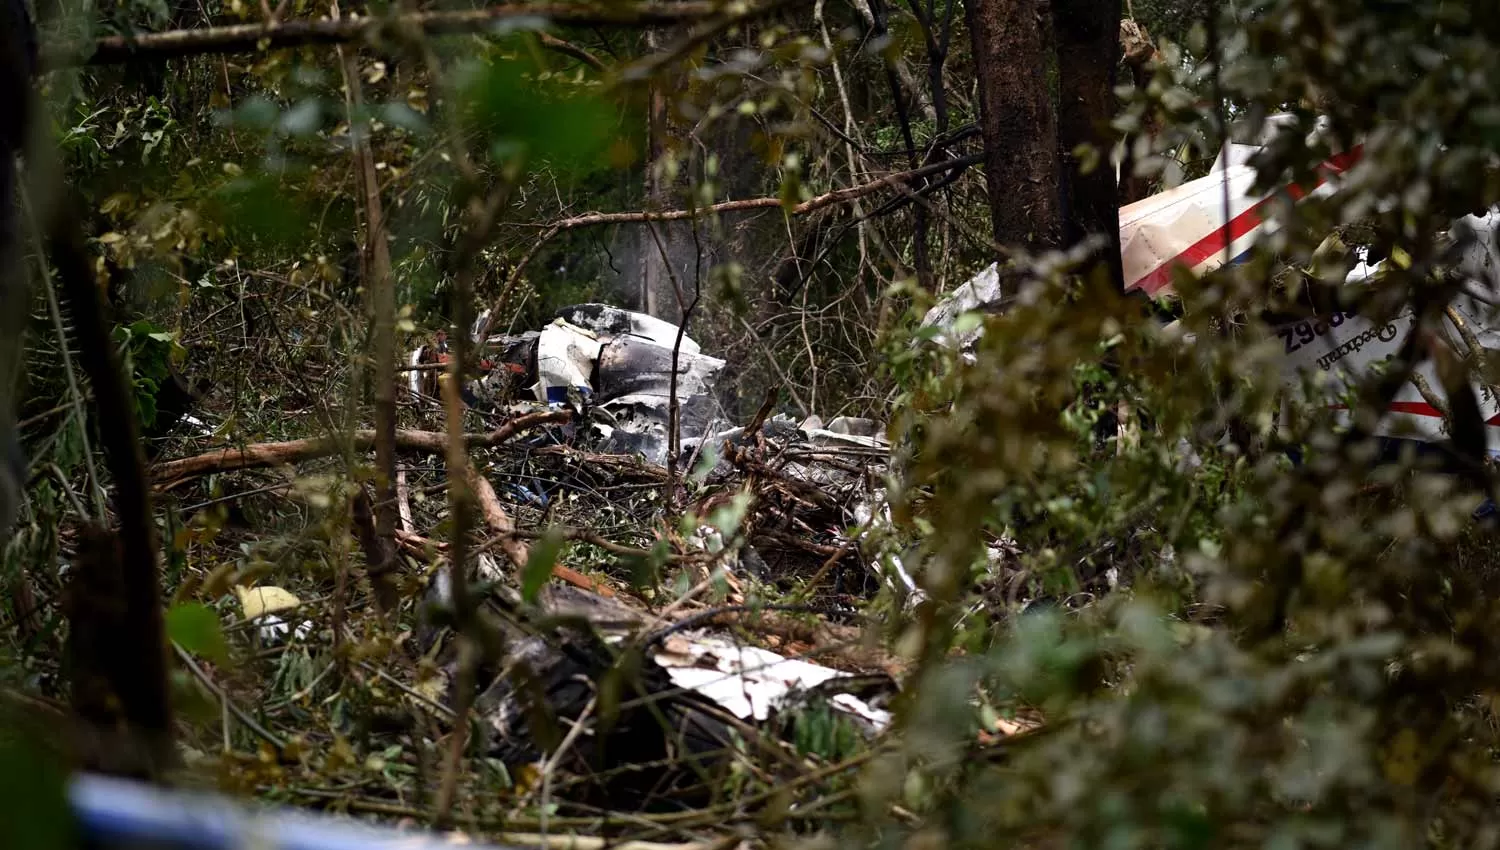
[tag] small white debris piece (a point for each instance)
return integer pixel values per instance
(273, 628)
(747, 681)
(877, 717)
(414, 376)
(263, 603)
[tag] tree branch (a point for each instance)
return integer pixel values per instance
(247, 38)
(380, 289)
(296, 451)
(568, 48)
(811, 205)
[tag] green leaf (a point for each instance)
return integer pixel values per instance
(543, 122)
(539, 564)
(727, 518)
(707, 460)
(34, 810)
(966, 322)
(261, 211)
(195, 627)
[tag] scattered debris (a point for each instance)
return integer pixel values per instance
(264, 605)
(753, 683)
(613, 366)
(1183, 228)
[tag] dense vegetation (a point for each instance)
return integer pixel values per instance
(1137, 621)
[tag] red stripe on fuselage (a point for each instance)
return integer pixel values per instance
(1240, 225)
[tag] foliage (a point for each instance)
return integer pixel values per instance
(1212, 645)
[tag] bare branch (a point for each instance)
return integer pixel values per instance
(568, 48)
(811, 205)
(247, 38)
(296, 451)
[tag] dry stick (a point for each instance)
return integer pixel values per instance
(250, 38)
(811, 205)
(249, 722)
(518, 552)
(378, 281)
(75, 394)
(549, 767)
(705, 32)
(497, 519)
(674, 406)
(552, 42)
(418, 544)
(1476, 352)
(296, 451)
(460, 500)
(1419, 381)
(379, 551)
(482, 214)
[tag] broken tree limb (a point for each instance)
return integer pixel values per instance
(296, 451)
(380, 554)
(511, 542)
(498, 520)
(249, 38)
(811, 205)
(380, 289)
(568, 48)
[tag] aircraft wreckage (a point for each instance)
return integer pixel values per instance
(1185, 228)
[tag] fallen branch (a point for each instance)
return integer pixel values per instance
(568, 48)
(624, 464)
(380, 553)
(417, 544)
(811, 205)
(297, 451)
(248, 38)
(512, 544)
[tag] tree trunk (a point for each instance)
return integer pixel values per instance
(1012, 40)
(1088, 52)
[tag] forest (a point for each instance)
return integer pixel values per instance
(738, 424)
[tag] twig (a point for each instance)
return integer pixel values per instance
(510, 540)
(247, 38)
(1419, 381)
(694, 620)
(296, 451)
(828, 564)
(549, 767)
(75, 394)
(568, 48)
(409, 691)
(810, 205)
(380, 288)
(234, 709)
(460, 502)
(703, 33)
(482, 214)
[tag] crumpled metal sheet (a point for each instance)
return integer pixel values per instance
(752, 683)
(565, 357)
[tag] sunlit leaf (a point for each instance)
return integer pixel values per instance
(195, 627)
(539, 564)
